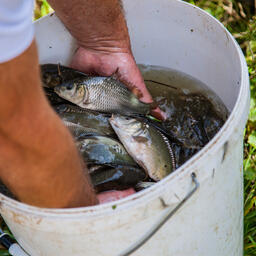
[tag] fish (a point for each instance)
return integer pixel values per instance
(96, 167)
(104, 150)
(90, 119)
(148, 147)
(119, 178)
(55, 74)
(212, 125)
(79, 131)
(194, 122)
(103, 94)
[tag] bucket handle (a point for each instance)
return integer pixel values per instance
(161, 221)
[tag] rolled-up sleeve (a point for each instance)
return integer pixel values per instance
(16, 28)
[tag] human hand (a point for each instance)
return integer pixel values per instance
(100, 30)
(115, 62)
(113, 195)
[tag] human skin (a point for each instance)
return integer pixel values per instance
(38, 159)
(39, 162)
(104, 44)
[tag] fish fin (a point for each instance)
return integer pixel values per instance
(139, 139)
(58, 67)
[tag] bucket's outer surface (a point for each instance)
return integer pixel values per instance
(180, 36)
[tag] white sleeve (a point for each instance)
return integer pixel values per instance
(16, 28)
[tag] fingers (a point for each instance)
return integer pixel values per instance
(114, 195)
(141, 91)
(122, 65)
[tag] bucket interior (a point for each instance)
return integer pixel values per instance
(166, 33)
(190, 41)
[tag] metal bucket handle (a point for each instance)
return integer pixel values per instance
(161, 221)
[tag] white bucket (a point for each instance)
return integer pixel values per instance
(180, 36)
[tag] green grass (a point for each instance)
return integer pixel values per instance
(241, 22)
(41, 9)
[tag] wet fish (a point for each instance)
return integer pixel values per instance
(4, 190)
(194, 122)
(97, 121)
(56, 74)
(148, 147)
(53, 98)
(118, 178)
(96, 167)
(212, 125)
(79, 131)
(104, 150)
(104, 94)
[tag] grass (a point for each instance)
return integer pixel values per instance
(41, 9)
(241, 22)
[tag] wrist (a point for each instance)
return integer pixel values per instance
(106, 45)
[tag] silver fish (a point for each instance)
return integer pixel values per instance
(79, 131)
(148, 147)
(104, 94)
(96, 167)
(55, 74)
(104, 150)
(119, 178)
(89, 119)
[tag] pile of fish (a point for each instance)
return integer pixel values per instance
(122, 145)
(111, 129)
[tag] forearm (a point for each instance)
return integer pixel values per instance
(96, 24)
(100, 29)
(39, 162)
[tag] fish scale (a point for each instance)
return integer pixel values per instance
(104, 94)
(104, 150)
(173, 160)
(147, 146)
(110, 92)
(88, 119)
